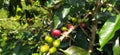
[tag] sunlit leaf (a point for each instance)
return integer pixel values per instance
(9, 24)
(65, 12)
(116, 48)
(4, 38)
(108, 30)
(25, 26)
(74, 50)
(3, 13)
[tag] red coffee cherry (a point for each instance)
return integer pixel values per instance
(56, 33)
(82, 24)
(70, 26)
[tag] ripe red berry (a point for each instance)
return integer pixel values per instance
(56, 33)
(70, 26)
(82, 24)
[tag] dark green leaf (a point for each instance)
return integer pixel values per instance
(59, 15)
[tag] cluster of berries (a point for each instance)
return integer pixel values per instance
(53, 44)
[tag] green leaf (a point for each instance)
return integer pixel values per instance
(108, 30)
(52, 3)
(65, 12)
(49, 3)
(74, 50)
(10, 24)
(60, 14)
(4, 38)
(116, 48)
(56, 21)
(3, 13)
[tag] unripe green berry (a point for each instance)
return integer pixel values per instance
(56, 43)
(48, 39)
(35, 54)
(64, 29)
(74, 20)
(79, 20)
(52, 50)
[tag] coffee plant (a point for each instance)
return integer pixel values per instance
(59, 27)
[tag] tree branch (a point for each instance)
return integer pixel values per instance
(66, 34)
(94, 25)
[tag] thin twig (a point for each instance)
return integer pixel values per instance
(84, 31)
(67, 33)
(94, 26)
(87, 15)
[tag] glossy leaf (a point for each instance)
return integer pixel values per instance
(116, 48)
(108, 30)
(65, 12)
(59, 15)
(56, 21)
(74, 50)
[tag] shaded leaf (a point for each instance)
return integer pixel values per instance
(56, 21)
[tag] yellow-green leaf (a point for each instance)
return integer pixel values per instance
(74, 50)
